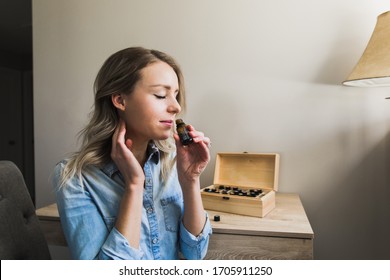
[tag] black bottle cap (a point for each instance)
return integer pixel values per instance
(179, 121)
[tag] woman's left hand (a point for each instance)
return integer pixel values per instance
(193, 158)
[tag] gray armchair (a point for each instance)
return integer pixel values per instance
(20, 233)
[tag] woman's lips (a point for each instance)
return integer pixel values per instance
(167, 122)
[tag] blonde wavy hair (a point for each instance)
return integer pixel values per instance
(119, 73)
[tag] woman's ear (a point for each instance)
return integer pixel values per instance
(118, 101)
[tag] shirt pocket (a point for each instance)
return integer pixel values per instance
(172, 207)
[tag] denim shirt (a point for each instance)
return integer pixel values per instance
(88, 212)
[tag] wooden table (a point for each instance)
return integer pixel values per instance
(49, 220)
(285, 233)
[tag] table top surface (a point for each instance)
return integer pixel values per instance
(287, 219)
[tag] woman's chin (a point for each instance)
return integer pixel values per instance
(162, 137)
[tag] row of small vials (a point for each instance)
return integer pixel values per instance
(221, 189)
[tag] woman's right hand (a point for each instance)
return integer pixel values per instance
(128, 220)
(124, 159)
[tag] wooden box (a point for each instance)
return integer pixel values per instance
(243, 184)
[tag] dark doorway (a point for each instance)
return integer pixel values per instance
(16, 90)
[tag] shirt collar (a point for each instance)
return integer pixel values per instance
(153, 154)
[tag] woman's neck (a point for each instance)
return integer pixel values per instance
(139, 149)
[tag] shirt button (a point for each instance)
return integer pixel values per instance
(150, 210)
(155, 240)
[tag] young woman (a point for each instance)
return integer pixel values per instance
(132, 190)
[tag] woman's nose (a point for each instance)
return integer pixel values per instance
(174, 106)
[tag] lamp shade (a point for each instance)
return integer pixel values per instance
(373, 68)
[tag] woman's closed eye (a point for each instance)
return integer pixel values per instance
(160, 96)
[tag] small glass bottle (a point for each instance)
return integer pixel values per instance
(182, 131)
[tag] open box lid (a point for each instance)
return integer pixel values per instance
(247, 170)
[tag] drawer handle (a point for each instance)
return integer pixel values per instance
(226, 198)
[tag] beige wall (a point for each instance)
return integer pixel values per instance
(262, 76)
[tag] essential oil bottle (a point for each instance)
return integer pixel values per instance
(182, 131)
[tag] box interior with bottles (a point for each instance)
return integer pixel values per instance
(244, 183)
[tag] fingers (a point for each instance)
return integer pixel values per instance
(121, 140)
(128, 143)
(197, 136)
(121, 131)
(119, 127)
(118, 139)
(207, 141)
